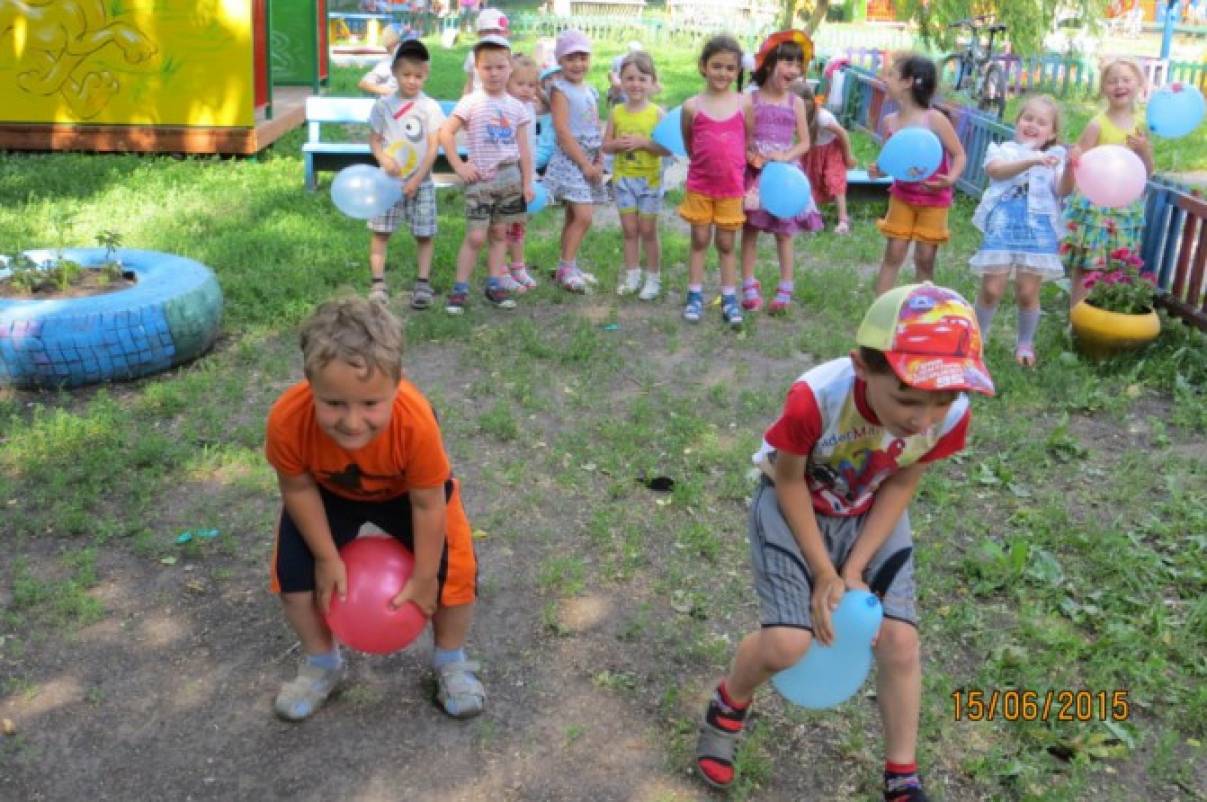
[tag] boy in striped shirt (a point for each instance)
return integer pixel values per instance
(498, 175)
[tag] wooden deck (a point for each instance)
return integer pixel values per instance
(289, 112)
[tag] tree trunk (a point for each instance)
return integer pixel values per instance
(817, 17)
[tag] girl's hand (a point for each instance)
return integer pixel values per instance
(1140, 145)
(1074, 156)
(529, 192)
(467, 173)
(849, 161)
(593, 171)
(756, 161)
(874, 171)
(938, 182)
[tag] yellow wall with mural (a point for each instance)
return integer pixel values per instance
(129, 62)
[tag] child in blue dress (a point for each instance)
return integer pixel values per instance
(1019, 215)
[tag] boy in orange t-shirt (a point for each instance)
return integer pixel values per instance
(355, 443)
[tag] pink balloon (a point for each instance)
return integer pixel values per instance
(377, 568)
(1110, 175)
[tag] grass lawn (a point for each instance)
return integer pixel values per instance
(1063, 550)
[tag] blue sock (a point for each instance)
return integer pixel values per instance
(461, 287)
(443, 657)
(328, 661)
(492, 282)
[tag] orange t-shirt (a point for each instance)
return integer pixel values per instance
(408, 454)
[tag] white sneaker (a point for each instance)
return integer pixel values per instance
(302, 696)
(652, 287)
(630, 283)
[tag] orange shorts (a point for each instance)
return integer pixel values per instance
(926, 224)
(292, 568)
(701, 210)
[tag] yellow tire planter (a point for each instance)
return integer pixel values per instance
(1101, 334)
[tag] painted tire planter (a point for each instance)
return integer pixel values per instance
(170, 315)
(1101, 334)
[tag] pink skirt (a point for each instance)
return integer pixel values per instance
(827, 171)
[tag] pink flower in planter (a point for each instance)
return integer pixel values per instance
(1090, 280)
(1115, 277)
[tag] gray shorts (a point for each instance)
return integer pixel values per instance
(781, 575)
(498, 200)
(419, 212)
(636, 195)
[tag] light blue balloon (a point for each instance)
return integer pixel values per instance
(668, 132)
(829, 675)
(912, 154)
(363, 191)
(1175, 110)
(783, 190)
(540, 198)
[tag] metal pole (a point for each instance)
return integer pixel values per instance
(1171, 15)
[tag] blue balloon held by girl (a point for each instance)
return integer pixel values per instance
(1175, 110)
(363, 191)
(912, 154)
(669, 134)
(783, 190)
(829, 675)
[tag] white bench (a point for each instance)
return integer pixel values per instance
(334, 156)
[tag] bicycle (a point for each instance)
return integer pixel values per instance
(974, 67)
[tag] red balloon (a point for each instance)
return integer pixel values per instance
(378, 567)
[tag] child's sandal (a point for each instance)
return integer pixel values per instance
(714, 755)
(1024, 355)
(780, 303)
(843, 227)
(752, 298)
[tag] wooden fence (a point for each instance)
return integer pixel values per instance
(1174, 241)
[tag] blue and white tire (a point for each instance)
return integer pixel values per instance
(171, 315)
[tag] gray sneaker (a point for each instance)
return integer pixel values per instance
(652, 287)
(303, 695)
(459, 691)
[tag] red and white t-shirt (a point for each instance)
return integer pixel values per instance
(827, 417)
(492, 124)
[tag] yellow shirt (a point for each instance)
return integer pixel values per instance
(1111, 134)
(638, 163)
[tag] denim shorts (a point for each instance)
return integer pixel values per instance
(636, 195)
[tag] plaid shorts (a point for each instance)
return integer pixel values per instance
(419, 212)
(498, 200)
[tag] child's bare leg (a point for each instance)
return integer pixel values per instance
(424, 248)
(762, 654)
(650, 244)
(630, 226)
(701, 236)
(578, 222)
(750, 252)
(787, 256)
(496, 252)
(729, 260)
(841, 200)
(450, 626)
(515, 250)
(894, 256)
(924, 261)
(307, 623)
(377, 254)
(899, 689)
(1077, 290)
(467, 257)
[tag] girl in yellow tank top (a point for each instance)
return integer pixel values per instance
(1093, 232)
(637, 175)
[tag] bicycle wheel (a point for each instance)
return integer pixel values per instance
(992, 97)
(953, 69)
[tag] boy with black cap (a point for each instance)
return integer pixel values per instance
(831, 512)
(405, 126)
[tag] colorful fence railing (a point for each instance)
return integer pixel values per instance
(1174, 242)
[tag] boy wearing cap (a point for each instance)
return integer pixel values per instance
(403, 140)
(498, 176)
(839, 469)
(491, 22)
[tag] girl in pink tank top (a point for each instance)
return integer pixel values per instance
(714, 125)
(917, 211)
